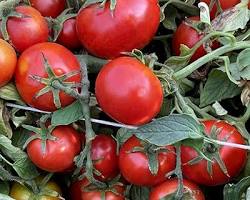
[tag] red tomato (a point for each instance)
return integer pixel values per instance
(191, 190)
(68, 36)
(28, 30)
(49, 8)
(59, 154)
(132, 25)
(188, 36)
(77, 192)
(198, 172)
(104, 155)
(134, 166)
(225, 4)
(31, 62)
(8, 60)
(128, 91)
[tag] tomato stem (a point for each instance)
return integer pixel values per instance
(178, 173)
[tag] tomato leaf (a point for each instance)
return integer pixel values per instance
(22, 165)
(4, 188)
(5, 197)
(67, 115)
(243, 64)
(236, 191)
(9, 93)
(141, 193)
(169, 130)
(217, 88)
(5, 128)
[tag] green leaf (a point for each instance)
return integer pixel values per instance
(243, 64)
(22, 165)
(5, 197)
(67, 115)
(169, 130)
(141, 193)
(123, 135)
(4, 188)
(217, 88)
(9, 93)
(5, 128)
(170, 16)
(236, 191)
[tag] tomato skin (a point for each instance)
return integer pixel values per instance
(132, 25)
(128, 91)
(68, 36)
(170, 186)
(49, 8)
(8, 61)
(20, 192)
(59, 154)
(77, 192)
(31, 62)
(198, 172)
(27, 31)
(134, 166)
(104, 155)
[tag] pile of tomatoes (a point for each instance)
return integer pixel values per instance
(40, 41)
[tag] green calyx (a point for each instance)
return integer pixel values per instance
(55, 83)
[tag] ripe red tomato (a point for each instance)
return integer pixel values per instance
(198, 172)
(77, 192)
(59, 154)
(31, 62)
(104, 156)
(27, 31)
(132, 25)
(225, 4)
(7, 62)
(191, 190)
(49, 8)
(188, 36)
(128, 91)
(134, 166)
(68, 36)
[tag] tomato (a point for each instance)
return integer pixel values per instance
(20, 192)
(132, 25)
(77, 192)
(8, 60)
(128, 91)
(31, 62)
(28, 30)
(59, 154)
(104, 155)
(198, 172)
(191, 190)
(225, 4)
(68, 36)
(134, 166)
(188, 36)
(49, 8)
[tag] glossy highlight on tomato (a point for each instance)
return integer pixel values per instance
(49, 8)
(59, 154)
(8, 61)
(31, 62)
(28, 30)
(134, 166)
(132, 25)
(198, 172)
(190, 191)
(128, 91)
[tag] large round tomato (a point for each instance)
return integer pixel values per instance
(104, 156)
(233, 158)
(49, 8)
(77, 192)
(31, 62)
(188, 36)
(191, 191)
(134, 166)
(128, 91)
(132, 25)
(8, 60)
(28, 30)
(59, 154)
(20, 192)
(68, 36)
